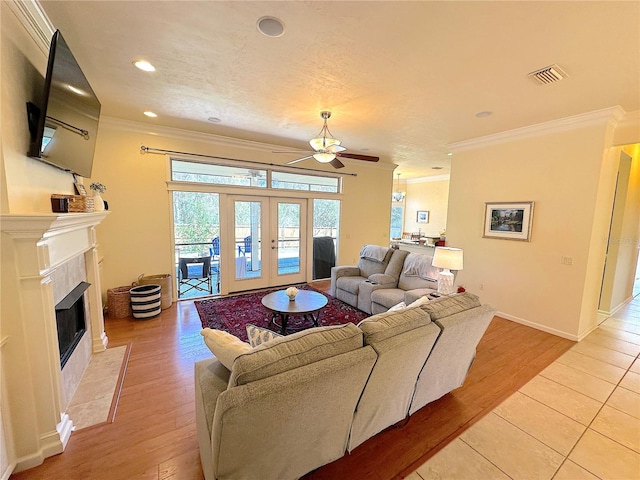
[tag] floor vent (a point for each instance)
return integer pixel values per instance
(550, 74)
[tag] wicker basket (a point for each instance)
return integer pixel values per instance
(164, 280)
(78, 203)
(119, 302)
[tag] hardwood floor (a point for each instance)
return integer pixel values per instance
(153, 435)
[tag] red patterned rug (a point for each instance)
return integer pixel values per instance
(232, 314)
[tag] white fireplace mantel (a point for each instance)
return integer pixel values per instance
(31, 248)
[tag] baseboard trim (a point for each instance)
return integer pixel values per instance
(8, 471)
(537, 326)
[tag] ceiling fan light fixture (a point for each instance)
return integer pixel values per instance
(323, 143)
(323, 157)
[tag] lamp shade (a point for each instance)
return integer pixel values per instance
(448, 258)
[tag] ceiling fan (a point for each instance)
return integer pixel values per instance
(327, 149)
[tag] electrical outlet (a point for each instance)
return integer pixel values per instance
(566, 260)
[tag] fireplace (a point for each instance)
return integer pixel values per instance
(50, 271)
(70, 321)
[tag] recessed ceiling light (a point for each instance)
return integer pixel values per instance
(76, 90)
(450, 154)
(144, 65)
(270, 26)
(150, 114)
(214, 119)
(483, 114)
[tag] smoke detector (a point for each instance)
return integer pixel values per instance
(551, 74)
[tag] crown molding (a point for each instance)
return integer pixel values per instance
(606, 116)
(131, 126)
(35, 21)
(434, 178)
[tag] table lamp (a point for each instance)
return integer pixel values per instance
(447, 258)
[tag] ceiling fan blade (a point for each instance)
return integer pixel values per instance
(298, 160)
(297, 152)
(357, 156)
(337, 163)
(336, 149)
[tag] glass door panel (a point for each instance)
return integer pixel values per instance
(247, 233)
(288, 238)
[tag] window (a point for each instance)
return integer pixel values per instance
(311, 183)
(397, 216)
(186, 171)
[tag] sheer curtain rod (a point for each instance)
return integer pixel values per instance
(144, 150)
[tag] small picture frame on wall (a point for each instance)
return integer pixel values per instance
(422, 216)
(80, 189)
(508, 220)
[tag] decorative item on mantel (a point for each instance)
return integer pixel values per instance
(98, 190)
(291, 293)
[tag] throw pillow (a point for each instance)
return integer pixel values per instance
(399, 306)
(224, 346)
(421, 301)
(259, 335)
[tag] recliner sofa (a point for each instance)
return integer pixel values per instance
(295, 403)
(374, 286)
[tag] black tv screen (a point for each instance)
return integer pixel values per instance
(64, 127)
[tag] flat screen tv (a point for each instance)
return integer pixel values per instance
(65, 125)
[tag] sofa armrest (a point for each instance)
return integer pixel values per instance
(344, 271)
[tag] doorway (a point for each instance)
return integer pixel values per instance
(269, 235)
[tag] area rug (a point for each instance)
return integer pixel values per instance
(233, 313)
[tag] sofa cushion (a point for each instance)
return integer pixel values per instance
(446, 306)
(293, 351)
(387, 297)
(350, 284)
(224, 346)
(259, 335)
(389, 324)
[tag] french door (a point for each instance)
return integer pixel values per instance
(269, 238)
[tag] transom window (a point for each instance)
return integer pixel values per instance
(190, 171)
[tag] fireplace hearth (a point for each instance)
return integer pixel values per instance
(70, 321)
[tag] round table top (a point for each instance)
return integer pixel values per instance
(306, 301)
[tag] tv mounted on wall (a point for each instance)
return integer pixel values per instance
(64, 127)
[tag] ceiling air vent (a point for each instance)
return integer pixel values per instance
(550, 74)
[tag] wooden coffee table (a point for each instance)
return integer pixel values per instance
(307, 304)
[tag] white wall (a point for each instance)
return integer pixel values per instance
(566, 170)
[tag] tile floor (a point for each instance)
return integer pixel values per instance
(91, 404)
(578, 419)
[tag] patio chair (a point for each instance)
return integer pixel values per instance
(195, 274)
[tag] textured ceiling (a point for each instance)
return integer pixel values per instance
(403, 79)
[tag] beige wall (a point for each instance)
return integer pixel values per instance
(571, 182)
(431, 195)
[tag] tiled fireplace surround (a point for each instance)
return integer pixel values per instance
(43, 258)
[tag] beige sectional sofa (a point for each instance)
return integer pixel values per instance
(375, 285)
(295, 403)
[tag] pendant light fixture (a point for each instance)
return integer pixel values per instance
(324, 144)
(398, 196)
